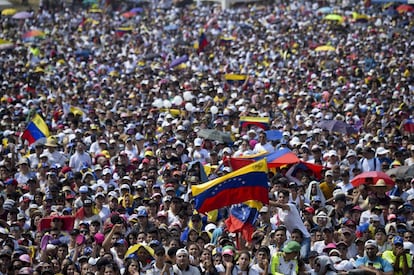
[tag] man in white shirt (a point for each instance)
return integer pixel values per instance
(263, 145)
(289, 215)
(80, 158)
(369, 162)
(182, 266)
(53, 155)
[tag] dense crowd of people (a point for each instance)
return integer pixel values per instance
(125, 87)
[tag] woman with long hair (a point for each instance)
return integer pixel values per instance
(131, 267)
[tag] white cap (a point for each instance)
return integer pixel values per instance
(106, 171)
(210, 227)
(382, 151)
(198, 142)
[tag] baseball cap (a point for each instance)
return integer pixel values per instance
(371, 243)
(210, 227)
(83, 189)
(398, 240)
(142, 213)
(87, 202)
(264, 209)
(227, 251)
(125, 186)
(181, 251)
(291, 246)
(121, 242)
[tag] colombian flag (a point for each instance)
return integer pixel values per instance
(262, 122)
(37, 129)
(247, 183)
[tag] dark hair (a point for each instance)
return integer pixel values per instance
(171, 251)
(66, 266)
(265, 250)
(285, 192)
(128, 262)
(159, 250)
(298, 231)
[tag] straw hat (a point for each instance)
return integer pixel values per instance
(51, 142)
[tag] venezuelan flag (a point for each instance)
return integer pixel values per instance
(262, 122)
(122, 30)
(242, 220)
(37, 129)
(275, 159)
(247, 183)
(235, 78)
(226, 40)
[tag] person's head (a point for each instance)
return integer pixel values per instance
(244, 260)
(327, 234)
(323, 264)
(182, 258)
(132, 266)
(280, 235)
(296, 235)
(262, 138)
(371, 249)
(228, 254)
(380, 235)
(159, 254)
(329, 176)
(397, 245)
(262, 254)
(291, 250)
(283, 196)
(110, 269)
(342, 247)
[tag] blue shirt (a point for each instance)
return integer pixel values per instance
(379, 263)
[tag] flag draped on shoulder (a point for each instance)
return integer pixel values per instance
(36, 130)
(247, 183)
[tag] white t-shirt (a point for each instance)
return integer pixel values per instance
(287, 267)
(291, 219)
(192, 270)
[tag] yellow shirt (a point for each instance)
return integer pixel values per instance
(390, 257)
(327, 189)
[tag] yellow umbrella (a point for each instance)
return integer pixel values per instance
(135, 248)
(8, 12)
(324, 48)
(359, 17)
(334, 17)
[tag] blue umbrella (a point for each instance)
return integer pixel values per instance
(337, 126)
(178, 61)
(137, 10)
(274, 135)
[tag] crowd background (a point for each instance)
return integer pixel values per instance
(125, 88)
